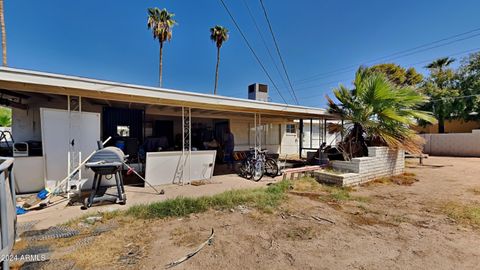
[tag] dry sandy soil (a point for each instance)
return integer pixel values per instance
(381, 226)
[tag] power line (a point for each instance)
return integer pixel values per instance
(349, 68)
(265, 43)
(412, 64)
(354, 67)
(436, 46)
(278, 50)
(429, 43)
(399, 54)
(455, 54)
(251, 49)
(301, 89)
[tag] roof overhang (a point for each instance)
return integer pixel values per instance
(49, 83)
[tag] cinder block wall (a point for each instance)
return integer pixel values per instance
(381, 162)
(453, 144)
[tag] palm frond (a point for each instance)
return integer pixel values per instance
(161, 23)
(219, 35)
(383, 111)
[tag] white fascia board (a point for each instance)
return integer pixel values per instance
(57, 80)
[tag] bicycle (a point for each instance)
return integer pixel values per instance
(258, 164)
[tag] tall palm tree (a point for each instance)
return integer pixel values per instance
(4, 34)
(440, 86)
(219, 35)
(378, 112)
(161, 23)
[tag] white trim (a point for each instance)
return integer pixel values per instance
(107, 87)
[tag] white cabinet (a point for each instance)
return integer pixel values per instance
(59, 129)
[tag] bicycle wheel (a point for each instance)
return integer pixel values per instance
(258, 170)
(246, 170)
(271, 167)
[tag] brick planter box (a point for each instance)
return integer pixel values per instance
(381, 162)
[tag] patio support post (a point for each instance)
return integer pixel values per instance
(69, 157)
(320, 135)
(325, 128)
(311, 133)
(301, 139)
(189, 145)
(186, 143)
(255, 134)
(261, 131)
(79, 153)
(183, 131)
(74, 157)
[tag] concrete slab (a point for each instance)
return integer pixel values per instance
(58, 212)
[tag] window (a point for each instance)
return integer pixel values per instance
(290, 129)
(123, 131)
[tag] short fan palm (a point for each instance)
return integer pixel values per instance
(377, 112)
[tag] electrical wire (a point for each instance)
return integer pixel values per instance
(396, 55)
(278, 50)
(252, 50)
(412, 64)
(265, 43)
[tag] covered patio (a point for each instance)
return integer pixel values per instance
(146, 122)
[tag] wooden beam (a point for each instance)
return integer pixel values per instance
(14, 94)
(13, 104)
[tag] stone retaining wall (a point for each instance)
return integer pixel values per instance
(381, 162)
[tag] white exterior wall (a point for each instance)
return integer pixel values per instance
(381, 162)
(26, 124)
(285, 144)
(244, 133)
(290, 142)
(453, 144)
(317, 137)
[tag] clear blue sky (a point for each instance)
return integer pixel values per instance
(109, 40)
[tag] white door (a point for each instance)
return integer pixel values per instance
(57, 137)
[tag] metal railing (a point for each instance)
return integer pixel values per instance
(8, 213)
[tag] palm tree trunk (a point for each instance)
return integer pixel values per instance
(441, 117)
(160, 64)
(4, 34)
(441, 124)
(216, 71)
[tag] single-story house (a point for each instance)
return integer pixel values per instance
(57, 120)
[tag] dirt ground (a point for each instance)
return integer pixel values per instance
(378, 226)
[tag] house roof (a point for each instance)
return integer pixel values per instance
(50, 83)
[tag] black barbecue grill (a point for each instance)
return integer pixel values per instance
(106, 162)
